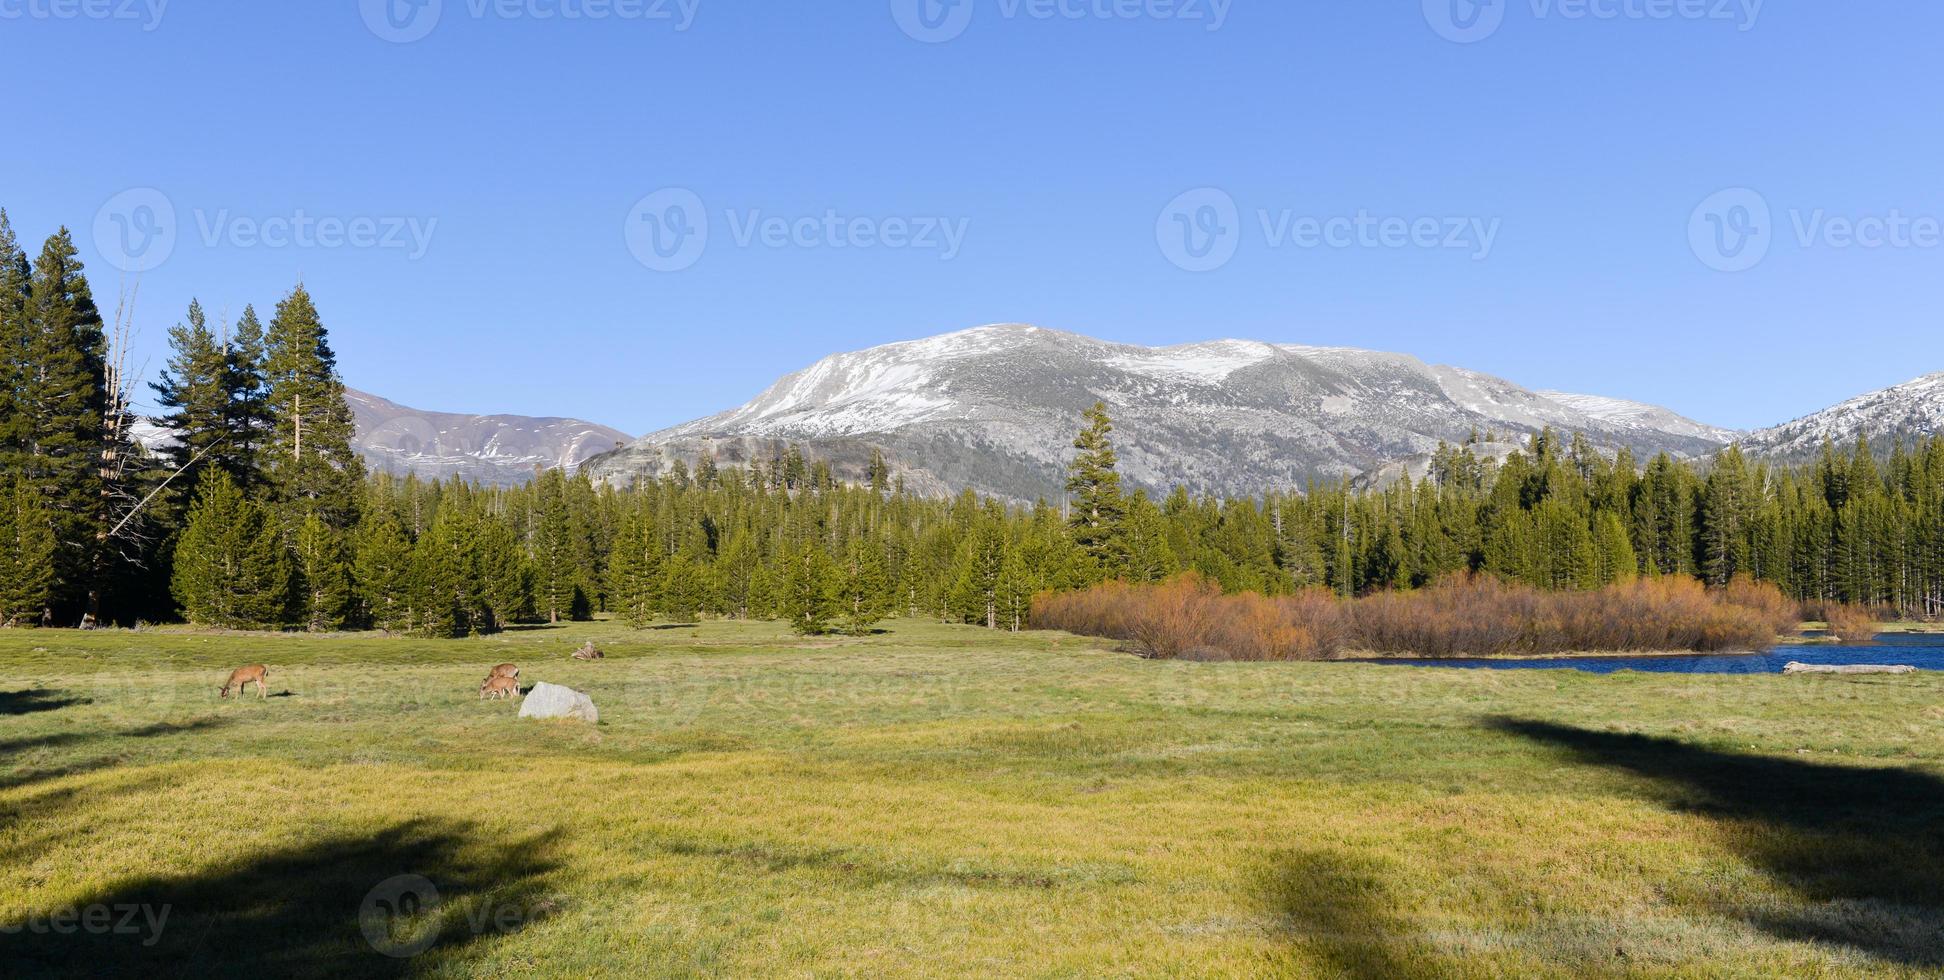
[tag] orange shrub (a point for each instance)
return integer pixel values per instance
(1189, 617)
(1851, 623)
(1463, 615)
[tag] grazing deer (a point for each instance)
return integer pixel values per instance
(505, 670)
(257, 674)
(499, 686)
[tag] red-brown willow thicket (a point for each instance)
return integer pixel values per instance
(1462, 615)
(1848, 622)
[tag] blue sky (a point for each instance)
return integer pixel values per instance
(1013, 167)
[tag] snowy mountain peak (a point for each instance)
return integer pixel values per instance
(1620, 411)
(1914, 408)
(995, 408)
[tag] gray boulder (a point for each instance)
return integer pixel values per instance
(554, 701)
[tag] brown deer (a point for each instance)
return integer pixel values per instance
(499, 686)
(256, 674)
(505, 670)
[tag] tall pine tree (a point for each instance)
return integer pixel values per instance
(311, 461)
(61, 428)
(1093, 482)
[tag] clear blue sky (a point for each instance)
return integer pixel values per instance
(1056, 143)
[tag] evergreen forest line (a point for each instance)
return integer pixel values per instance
(259, 512)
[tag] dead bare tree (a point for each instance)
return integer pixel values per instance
(130, 478)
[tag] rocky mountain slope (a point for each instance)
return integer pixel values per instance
(1902, 412)
(995, 408)
(493, 449)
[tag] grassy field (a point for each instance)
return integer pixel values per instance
(938, 801)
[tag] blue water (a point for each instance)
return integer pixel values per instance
(1922, 651)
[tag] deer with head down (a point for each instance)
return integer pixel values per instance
(505, 670)
(499, 686)
(256, 674)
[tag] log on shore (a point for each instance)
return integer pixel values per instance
(1796, 668)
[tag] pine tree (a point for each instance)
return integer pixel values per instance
(438, 581)
(1095, 485)
(975, 590)
(323, 576)
(683, 591)
(194, 387)
(16, 418)
(1727, 507)
(866, 592)
(26, 555)
(811, 599)
(230, 566)
(504, 576)
(1013, 593)
(551, 549)
(635, 568)
(382, 569)
(1615, 559)
(1144, 542)
(62, 404)
(251, 426)
(310, 458)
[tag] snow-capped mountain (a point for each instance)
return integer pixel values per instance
(492, 449)
(497, 450)
(1903, 412)
(995, 408)
(1640, 415)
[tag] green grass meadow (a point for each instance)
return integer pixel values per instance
(946, 801)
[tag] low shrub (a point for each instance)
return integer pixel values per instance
(1851, 623)
(1464, 615)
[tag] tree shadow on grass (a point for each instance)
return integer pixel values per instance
(404, 901)
(1867, 844)
(1338, 911)
(9, 748)
(36, 700)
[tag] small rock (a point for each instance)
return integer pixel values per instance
(553, 701)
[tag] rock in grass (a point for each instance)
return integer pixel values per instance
(1796, 668)
(554, 701)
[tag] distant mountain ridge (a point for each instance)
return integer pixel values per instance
(995, 408)
(1905, 411)
(490, 449)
